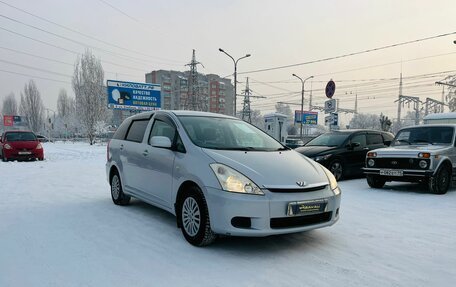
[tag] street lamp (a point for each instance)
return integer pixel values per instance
(235, 74)
(302, 98)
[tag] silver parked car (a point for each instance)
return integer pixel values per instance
(425, 154)
(218, 175)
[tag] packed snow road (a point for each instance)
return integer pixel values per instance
(58, 227)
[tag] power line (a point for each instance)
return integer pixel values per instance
(65, 49)
(350, 54)
(34, 77)
(57, 61)
(83, 34)
(141, 60)
(37, 69)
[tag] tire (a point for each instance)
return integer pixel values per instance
(337, 169)
(193, 217)
(117, 194)
(375, 181)
(440, 183)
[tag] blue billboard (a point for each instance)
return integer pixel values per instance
(308, 118)
(133, 96)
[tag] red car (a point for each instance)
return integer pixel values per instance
(20, 145)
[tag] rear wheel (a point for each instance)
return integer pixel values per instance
(337, 169)
(194, 217)
(117, 195)
(375, 181)
(440, 183)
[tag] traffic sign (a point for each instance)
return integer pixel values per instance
(332, 119)
(330, 89)
(133, 96)
(330, 106)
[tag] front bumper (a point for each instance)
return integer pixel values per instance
(267, 214)
(12, 154)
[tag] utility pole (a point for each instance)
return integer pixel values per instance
(194, 101)
(399, 103)
(434, 106)
(409, 100)
(246, 111)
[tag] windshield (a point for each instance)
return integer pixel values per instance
(424, 136)
(227, 134)
(329, 139)
(15, 137)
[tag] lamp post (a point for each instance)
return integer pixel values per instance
(302, 98)
(235, 74)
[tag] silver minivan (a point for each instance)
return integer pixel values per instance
(219, 176)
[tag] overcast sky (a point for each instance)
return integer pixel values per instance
(135, 37)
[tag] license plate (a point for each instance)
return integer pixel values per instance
(391, 172)
(306, 207)
(24, 152)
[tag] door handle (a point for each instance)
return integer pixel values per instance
(121, 147)
(145, 153)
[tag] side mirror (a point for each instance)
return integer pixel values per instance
(160, 141)
(388, 143)
(353, 145)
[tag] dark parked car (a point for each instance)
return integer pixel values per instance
(20, 145)
(42, 139)
(344, 152)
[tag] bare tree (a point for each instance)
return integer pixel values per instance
(63, 104)
(90, 94)
(365, 121)
(9, 105)
(32, 106)
(451, 96)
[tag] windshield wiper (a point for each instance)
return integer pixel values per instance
(283, 148)
(422, 141)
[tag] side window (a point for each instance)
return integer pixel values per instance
(121, 130)
(374, 139)
(160, 128)
(136, 131)
(360, 138)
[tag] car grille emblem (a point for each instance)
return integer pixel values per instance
(301, 183)
(394, 162)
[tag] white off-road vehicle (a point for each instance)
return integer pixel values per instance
(425, 153)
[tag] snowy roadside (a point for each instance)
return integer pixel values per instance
(58, 227)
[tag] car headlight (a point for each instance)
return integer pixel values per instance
(370, 162)
(423, 164)
(332, 180)
(233, 181)
(322, 157)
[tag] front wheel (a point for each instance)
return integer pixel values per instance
(194, 216)
(440, 183)
(337, 169)
(375, 181)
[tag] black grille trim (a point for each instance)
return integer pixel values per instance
(300, 221)
(403, 163)
(294, 190)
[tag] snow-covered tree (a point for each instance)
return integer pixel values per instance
(365, 121)
(257, 119)
(88, 81)
(32, 106)
(451, 95)
(9, 105)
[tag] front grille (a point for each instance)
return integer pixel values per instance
(300, 221)
(293, 190)
(399, 163)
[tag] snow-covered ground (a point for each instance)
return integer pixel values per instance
(58, 227)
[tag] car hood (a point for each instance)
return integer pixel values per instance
(314, 150)
(23, 144)
(410, 150)
(277, 169)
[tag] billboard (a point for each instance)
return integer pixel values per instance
(133, 96)
(8, 121)
(308, 118)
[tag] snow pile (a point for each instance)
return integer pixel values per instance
(58, 227)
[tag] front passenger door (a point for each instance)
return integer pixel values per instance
(159, 163)
(358, 154)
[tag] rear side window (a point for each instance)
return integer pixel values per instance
(136, 131)
(373, 139)
(122, 130)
